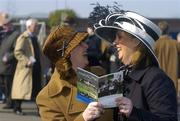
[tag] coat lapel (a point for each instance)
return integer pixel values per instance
(75, 106)
(31, 46)
(64, 94)
(25, 34)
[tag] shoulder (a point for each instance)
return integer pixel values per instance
(155, 73)
(47, 106)
(153, 70)
(57, 86)
(24, 35)
(14, 35)
(155, 78)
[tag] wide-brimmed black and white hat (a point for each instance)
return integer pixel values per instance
(137, 25)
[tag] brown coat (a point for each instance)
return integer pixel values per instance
(57, 101)
(167, 51)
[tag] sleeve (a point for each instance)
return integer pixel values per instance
(19, 50)
(10, 54)
(161, 100)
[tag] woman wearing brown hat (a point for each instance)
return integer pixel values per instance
(57, 101)
(149, 94)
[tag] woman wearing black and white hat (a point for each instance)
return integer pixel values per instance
(149, 94)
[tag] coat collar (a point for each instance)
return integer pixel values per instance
(26, 34)
(137, 74)
(70, 105)
(56, 85)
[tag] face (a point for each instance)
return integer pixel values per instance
(79, 56)
(33, 27)
(126, 46)
(178, 39)
(7, 27)
(90, 31)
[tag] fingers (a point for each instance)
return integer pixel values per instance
(93, 111)
(125, 105)
(96, 106)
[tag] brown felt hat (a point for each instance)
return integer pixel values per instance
(60, 42)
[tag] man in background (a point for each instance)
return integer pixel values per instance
(178, 37)
(27, 78)
(7, 59)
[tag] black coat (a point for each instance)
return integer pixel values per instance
(7, 47)
(153, 95)
(94, 50)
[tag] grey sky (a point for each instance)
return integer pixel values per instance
(149, 8)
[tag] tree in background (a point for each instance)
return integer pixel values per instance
(100, 12)
(59, 16)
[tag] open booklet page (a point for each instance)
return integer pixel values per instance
(104, 89)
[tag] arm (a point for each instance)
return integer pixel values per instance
(19, 50)
(12, 42)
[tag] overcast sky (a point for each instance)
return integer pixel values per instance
(148, 8)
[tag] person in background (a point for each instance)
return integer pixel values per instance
(97, 50)
(2, 33)
(94, 47)
(7, 59)
(178, 37)
(149, 94)
(178, 41)
(4, 18)
(167, 50)
(27, 78)
(66, 49)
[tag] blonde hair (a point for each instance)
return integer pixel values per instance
(141, 54)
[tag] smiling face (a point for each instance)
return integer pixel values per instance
(126, 46)
(79, 56)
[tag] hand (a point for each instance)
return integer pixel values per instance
(5, 59)
(29, 64)
(93, 111)
(125, 105)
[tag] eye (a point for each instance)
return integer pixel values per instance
(84, 53)
(118, 36)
